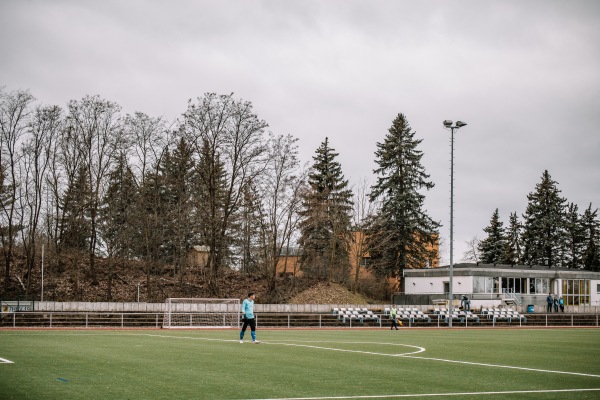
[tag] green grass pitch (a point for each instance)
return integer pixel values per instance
(308, 364)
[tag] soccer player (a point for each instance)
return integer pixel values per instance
(248, 318)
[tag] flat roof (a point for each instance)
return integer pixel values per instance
(504, 270)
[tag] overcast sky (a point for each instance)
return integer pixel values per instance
(524, 75)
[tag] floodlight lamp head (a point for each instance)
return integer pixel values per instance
(460, 124)
(447, 123)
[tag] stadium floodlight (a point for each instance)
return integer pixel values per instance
(448, 125)
(197, 313)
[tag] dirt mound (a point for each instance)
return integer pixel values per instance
(328, 293)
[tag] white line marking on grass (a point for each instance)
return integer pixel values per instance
(405, 355)
(296, 344)
(419, 349)
(5, 361)
(503, 366)
(390, 396)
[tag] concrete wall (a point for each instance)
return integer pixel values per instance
(435, 284)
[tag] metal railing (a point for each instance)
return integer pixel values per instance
(512, 295)
(91, 320)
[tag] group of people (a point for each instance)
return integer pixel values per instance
(555, 303)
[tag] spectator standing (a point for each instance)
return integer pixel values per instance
(561, 303)
(549, 301)
(394, 316)
(555, 304)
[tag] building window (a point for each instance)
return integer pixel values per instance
(483, 284)
(513, 285)
(598, 288)
(539, 285)
(576, 291)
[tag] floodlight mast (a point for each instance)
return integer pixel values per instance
(449, 125)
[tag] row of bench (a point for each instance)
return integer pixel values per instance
(359, 314)
(414, 315)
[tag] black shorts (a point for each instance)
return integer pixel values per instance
(251, 322)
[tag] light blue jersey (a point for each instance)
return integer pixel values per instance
(248, 308)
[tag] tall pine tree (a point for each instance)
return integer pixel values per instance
(493, 246)
(513, 251)
(591, 228)
(118, 218)
(326, 223)
(574, 246)
(401, 234)
(544, 224)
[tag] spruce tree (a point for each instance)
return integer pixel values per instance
(177, 170)
(574, 238)
(210, 191)
(117, 216)
(513, 250)
(492, 248)
(401, 234)
(118, 221)
(544, 224)
(591, 228)
(75, 224)
(326, 222)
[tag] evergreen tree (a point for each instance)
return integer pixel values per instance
(492, 248)
(591, 228)
(325, 225)
(210, 190)
(544, 224)
(75, 226)
(153, 206)
(574, 238)
(401, 234)
(251, 232)
(177, 172)
(118, 221)
(513, 251)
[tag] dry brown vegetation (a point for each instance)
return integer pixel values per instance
(119, 282)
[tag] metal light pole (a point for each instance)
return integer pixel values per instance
(449, 125)
(42, 295)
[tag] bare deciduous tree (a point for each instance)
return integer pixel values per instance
(14, 111)
(97, 126)
(44, 128)
(233, 136)
(472, 253)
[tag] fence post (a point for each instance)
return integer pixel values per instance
(320, 325)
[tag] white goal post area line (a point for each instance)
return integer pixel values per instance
(5, 361)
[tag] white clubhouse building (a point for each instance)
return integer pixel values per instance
(494, 285)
